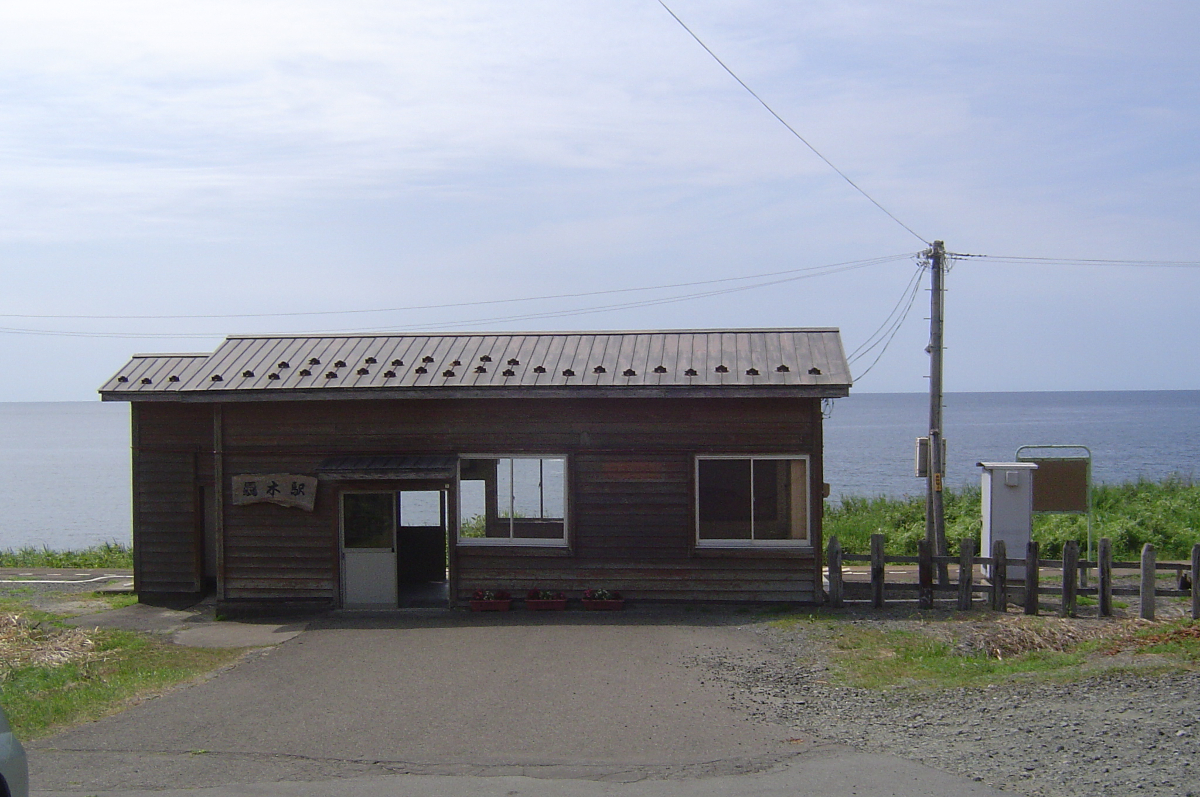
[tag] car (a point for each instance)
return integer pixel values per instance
(14, 768)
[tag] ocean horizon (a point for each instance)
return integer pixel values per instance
(65, 468)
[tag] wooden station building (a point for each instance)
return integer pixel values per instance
(401, 470)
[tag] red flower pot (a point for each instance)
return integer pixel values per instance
(491, 606)
(603, 606)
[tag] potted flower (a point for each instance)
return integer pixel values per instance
(486, 600)
(602, 600)
(543, 600)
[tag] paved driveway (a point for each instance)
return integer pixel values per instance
(577, 698)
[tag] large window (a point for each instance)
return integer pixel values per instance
(515, 500)
(748, 501)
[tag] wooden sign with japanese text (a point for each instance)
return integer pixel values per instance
(285, 489)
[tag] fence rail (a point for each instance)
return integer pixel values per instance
(996, 566)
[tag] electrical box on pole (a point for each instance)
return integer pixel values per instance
(921, 457)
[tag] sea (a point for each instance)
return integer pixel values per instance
(65, 466)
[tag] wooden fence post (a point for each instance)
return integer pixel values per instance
(1031, 578)
(924, 574)
(1104, 554)
(877, 571)
(836, 593)
(1146, 599)
(1196, 581)
(1070, 574)
(966, 572)
(999, 576)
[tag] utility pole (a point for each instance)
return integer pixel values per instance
(935, 514)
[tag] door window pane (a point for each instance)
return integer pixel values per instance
(367, 520)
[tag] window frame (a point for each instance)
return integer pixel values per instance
(710, 544)
(536, 542)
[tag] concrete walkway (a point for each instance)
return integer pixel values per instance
(436, 702)
(195, 627)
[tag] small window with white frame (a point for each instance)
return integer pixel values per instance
(512, 500)
(752, 501)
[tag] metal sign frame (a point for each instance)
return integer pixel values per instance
(1022, 457)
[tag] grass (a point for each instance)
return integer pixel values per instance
(110, 555)
(41, 698)
(116, 600)
(1177, 640)
(874, 658)
(958, 653)
(1164, 513)
(97, 673)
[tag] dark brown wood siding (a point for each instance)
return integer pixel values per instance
(168, 465)
(277, 552)
(631, 492)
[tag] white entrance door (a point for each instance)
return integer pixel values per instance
(369, 549)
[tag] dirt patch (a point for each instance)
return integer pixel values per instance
(23, 643)
(1010, 635)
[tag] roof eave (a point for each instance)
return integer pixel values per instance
(522, 392)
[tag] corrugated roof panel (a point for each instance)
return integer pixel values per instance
(548, 356)
(720, 343)
(669, 359)
(255, 363)
(623, 359)
(151, 366)
(639, 362)
(773, 357)
(796, 356)
(566, 360)
(597, 367)
(653, 358)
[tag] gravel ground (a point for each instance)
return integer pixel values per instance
(1119, 731)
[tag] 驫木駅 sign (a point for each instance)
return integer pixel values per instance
(285, 489)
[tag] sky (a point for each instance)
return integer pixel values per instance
(268, 167)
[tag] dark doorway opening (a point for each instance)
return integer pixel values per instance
(422, 579)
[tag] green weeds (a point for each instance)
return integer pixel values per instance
(875, 659)
(1165, 513)
(126, 666)
(53, 675)
(1179, 640)
(109, 555)
(975, 651)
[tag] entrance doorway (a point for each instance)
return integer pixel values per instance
(394, 548)
(421, 544)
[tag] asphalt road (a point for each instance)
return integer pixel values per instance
(470, 704)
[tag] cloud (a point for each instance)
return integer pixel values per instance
(470, 149)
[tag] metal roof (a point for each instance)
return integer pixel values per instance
(729, 362)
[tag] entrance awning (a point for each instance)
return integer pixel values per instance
(389, 467)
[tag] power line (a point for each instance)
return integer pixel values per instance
(899, 322)
(806, 273)
(871, 261)
(1062, 261)
(802, 139)
(872, 341)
